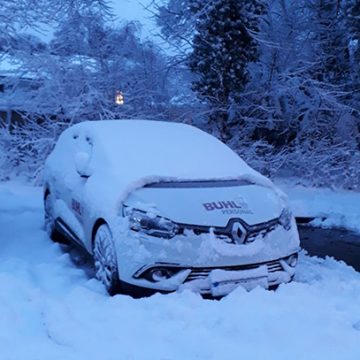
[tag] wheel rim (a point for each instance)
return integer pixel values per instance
(105, 258)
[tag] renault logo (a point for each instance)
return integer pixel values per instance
(238, 233)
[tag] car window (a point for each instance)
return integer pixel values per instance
(200, 184)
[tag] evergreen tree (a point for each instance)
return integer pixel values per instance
(223, 46)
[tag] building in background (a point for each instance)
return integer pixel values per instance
(15, 88)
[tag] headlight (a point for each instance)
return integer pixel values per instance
(292, 260)
(153, 225)
(286, 218)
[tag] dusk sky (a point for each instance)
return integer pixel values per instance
(135, 10)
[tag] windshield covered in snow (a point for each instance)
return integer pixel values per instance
(199, 184)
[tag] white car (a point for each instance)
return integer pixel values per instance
(164, 206)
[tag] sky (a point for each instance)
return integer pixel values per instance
(135, 10)
(124, 10)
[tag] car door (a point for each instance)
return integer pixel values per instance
(77, 197)
(70, 204)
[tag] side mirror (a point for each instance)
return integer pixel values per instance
(82, 164)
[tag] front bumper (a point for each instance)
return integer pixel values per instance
(201, 279)
(194, 261)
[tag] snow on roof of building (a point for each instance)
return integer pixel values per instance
(8, 65)
(11, 66)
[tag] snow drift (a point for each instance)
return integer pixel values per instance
(52, 309)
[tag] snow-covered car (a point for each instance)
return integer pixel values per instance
(164, 206)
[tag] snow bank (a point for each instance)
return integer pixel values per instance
(330, 208)
(52, 309)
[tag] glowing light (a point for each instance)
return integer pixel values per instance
(119, 98)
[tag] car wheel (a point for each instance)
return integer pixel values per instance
(49, 220)
(105, 259)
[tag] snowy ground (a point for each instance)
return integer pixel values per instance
(50, 309)
(340, 208)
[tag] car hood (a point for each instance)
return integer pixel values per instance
(210, 205)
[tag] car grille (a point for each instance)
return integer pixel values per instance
(225, 233)
(252, 235)
(202, 273)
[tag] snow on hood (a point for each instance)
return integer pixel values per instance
(129, 154)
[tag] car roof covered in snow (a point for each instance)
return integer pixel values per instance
(166, 149)
(129, 154)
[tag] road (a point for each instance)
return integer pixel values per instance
(339, 243)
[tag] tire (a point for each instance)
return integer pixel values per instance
(49, 220)
(105, 260)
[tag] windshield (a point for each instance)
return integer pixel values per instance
(199, 184)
